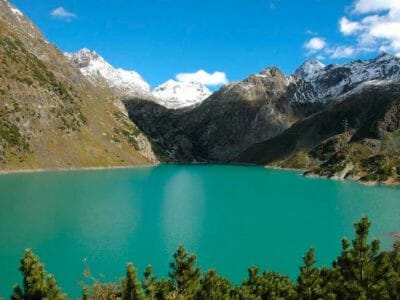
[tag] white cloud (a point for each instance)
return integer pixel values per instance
(341, 52)
(377, 25)
(374, 26)
(348, 27)
(62, 13)
(315, 44)
(203, 77)
(373, 6)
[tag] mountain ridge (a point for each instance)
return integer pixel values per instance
(262, 112)
(171, 94)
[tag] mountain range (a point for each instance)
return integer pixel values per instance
(338, 121)
(171, 94)
(77, 110)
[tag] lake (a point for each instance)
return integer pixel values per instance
(232, 217)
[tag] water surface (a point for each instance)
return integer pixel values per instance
(232, 217)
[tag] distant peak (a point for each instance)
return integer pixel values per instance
(384, 55)
(309, 69)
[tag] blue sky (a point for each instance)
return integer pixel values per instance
(160, 38)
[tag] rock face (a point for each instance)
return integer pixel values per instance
(174, 95)
(51, 115)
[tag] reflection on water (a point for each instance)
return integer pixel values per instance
(182, 210)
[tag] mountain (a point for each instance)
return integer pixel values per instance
(325, 83)
(101, 73)
(51, 115)
(171, 94)
(174, 95)
(235, 117)
(285, 121)
(357, 137)
(309, 70)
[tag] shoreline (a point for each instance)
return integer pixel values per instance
(300, 171)
(57, 169)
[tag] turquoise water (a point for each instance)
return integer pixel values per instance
(232, 217)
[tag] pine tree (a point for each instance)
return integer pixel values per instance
(17, 294)
(214, 287)
(149, 283)
(364, 271)
(269, 285)
(184, 275)
(53, 290)
(395, 262)
(309, 281)
(37, 285)
(133, 288)
(34, 276)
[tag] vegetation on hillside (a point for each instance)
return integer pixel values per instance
(361, 271)
(50, 115)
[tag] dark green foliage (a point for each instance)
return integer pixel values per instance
(184, 275)
(269, 285)
(37, 284)
(309, 281)
(214, 287)
(133, 288)
(361, 271)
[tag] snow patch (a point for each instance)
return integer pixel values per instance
(174, 95)
(97, 69)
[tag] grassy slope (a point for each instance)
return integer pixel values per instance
(51, 117)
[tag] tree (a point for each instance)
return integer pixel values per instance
(269, 285)
(53, 290)
(34, 276)
(17, 294)
(37, 285)
(364, 272)
(214, 287)
(133, 288)
(149, 283)
(309, 281)
(184, 275)
(395, 262)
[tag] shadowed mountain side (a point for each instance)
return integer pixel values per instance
(234, 118)
(359, 126)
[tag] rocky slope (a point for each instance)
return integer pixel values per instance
(358, 137)
(51, 116)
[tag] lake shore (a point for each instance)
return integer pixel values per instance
(312, 175)
(22, 171)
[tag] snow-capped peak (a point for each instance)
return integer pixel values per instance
(324, 83)
(98, 70)
(174, 94)
(309, 70)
